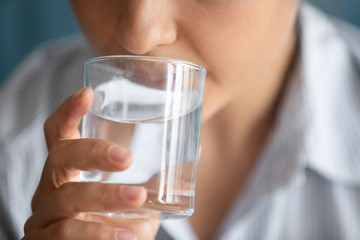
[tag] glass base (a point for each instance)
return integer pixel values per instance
(145, 213)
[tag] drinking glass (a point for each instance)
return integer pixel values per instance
(153, 107)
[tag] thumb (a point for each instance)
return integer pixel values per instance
(63, 123)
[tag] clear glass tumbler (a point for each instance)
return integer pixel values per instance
(153, 107)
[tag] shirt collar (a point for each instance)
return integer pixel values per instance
(331, 104)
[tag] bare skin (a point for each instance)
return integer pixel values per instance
(229, 153)
(246, 46)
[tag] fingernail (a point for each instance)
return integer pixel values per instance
(118, 154)
(81, 92)
(130, 193)
(124, 235)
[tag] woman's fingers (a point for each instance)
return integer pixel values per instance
(63, 123)
(73, 229)
(61, 205)
(67, 158)
(73, 199)
(89, 154)
(63, 214)
(143, 228)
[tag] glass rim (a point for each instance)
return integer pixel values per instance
(146, 58)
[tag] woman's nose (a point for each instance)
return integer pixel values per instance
(145, 25)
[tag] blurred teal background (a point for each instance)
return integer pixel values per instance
(26, 23)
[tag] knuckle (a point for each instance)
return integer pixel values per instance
(98, 148)
(106, 198)
(106, 195)
(104, 190)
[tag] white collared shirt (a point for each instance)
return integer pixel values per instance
(307, 182)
